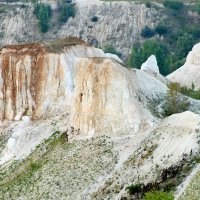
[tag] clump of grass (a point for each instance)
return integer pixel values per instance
(34, 166)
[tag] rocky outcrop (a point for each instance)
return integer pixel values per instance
(107, 92)
(188, 75)
(96, 93)
(37, 82)
(151, 65)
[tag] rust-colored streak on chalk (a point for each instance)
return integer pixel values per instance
(5, 72)
(12, 78)
(37, 80)
(13, 86)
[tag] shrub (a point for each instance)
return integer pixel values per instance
(66, 11)
(133, 189)
(161, 29)
(111, 49)
(148, 4)
(147, 32)
(174, 5)
(158, 195)
(94, 19)
(175, 103)
(194, 30)
(43, 14)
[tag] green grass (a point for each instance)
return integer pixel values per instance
(56, 165)
(158, 195)
(192, 191)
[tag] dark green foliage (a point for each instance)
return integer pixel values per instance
(173, 63)
(141, 53)
(180, 44)
(198, 7)
(148, 4)
(135, 59)
(94, 19)
(194, 30)
(110, 49)
(161, 29)
(43, 14)
(133, 189)
(66, 11)
(184, 45)
(158, 195)
(147, 32)
(175, 5)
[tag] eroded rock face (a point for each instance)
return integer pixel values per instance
(90, 92)
(189, 74)
(106, 96)
(35, 82)
(96, 90)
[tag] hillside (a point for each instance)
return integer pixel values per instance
(99, 100)
(76, 119)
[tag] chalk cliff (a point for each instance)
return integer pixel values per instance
(37, 82)
(67, 77)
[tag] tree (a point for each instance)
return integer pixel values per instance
(66, 11)
(184, 45)
(147, 32)
(43, 14)
(161, 29)
(174, 5)
(140, 54)
(135, 58)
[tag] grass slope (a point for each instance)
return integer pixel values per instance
(58, 169)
